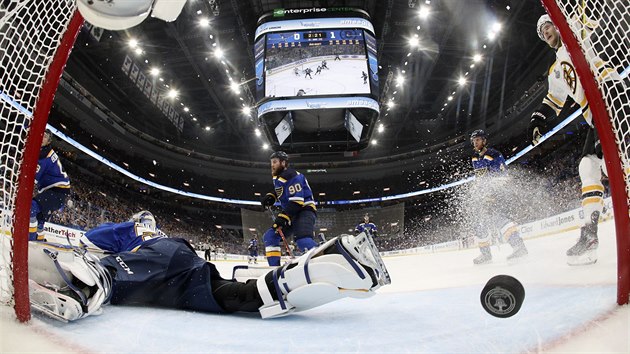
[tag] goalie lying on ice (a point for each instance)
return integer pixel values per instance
(68, 283)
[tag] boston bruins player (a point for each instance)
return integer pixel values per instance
(564, 83)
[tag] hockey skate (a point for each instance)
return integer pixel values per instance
(520, 251)
(584, 252)
(485, 257)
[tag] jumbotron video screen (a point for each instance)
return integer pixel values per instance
(316, 62)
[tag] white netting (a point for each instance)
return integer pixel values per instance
(30, 33)
(602, 29)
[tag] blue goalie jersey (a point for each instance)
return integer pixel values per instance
(491, 162)
(293, 192)
(116, 237)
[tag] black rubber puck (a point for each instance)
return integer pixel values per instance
(502, 296)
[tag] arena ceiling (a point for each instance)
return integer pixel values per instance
(421, 59)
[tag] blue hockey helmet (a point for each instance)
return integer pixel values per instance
(479, 133)
(280, 155)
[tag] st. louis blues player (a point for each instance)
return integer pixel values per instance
(70, 283)
(489, 166)
(298, 213)
(366, 225)
(52, 186)
(253, 251)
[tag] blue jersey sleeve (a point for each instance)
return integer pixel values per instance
(49, 172)
(113, 238)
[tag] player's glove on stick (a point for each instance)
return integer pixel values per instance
(281, 221)
(538, 123)
(268, 200)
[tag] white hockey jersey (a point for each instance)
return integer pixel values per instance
(564, 82)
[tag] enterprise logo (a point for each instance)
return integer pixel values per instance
(282, 12)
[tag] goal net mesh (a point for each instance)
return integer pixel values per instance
(30, 34)
(602, 29)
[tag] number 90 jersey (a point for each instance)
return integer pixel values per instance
(293, 192)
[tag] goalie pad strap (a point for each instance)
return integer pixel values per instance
(53, 256)
(278, 291)
(348, 258)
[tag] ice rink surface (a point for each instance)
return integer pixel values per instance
(342, 77)
(432, 306)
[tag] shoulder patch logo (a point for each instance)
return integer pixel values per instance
(568, 73)
(279, 191)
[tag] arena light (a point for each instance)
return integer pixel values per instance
(186, 109)
(374, 142)
(381, 128)
(155, 71)
(247, 110)
(172, 94)
(424, 12)
(477, 58)
(400, 80)
(414, 41)
(450, 98)
(257, 132)
(235, 87)
(204, 22)
(265, 146)
(138, 51)
(207, 128)
(391, 104)
(218, 53)
(133, 43)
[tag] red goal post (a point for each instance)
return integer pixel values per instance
(35, 41)
(596, 34)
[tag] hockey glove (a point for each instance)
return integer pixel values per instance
(268, 200)
(281, 221)
(538, 123)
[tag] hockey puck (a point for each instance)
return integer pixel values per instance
(502, 296)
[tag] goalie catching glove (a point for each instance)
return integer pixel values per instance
(66, 283)
(345, 266)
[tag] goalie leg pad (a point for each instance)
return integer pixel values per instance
(53, 304)
(341, 267)
(67, 273)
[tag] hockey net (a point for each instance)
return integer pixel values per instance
(35, 41)
(597, 35)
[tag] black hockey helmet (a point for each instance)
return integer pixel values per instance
(280, 155)
(479, 133)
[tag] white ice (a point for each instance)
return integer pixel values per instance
(432, 306)
(342, 77)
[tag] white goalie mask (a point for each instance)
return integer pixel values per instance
(118, 15)
(145, 223)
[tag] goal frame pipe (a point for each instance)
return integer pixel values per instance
(609, 147)
(24, 196)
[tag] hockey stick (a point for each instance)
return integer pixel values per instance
(281, 233)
